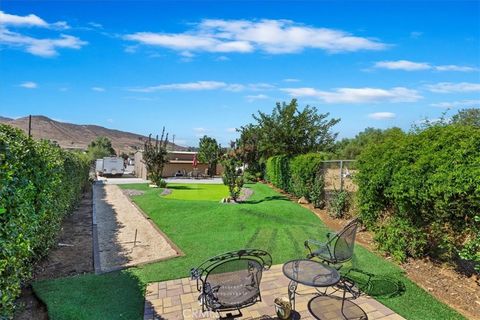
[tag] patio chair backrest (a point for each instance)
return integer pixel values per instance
(344, 242)
(232, 279)
(235, 282)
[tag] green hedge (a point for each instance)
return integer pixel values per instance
(39, 184)
(420, 191)
(301, 175)
(306, 177)
(278, 172)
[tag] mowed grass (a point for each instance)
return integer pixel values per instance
(204, 228)
(212, 192)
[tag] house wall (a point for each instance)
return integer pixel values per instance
(140, 169)
(172, 167)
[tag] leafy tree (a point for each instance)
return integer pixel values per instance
(352, 148)
(209, 151)
(99, 148)
(155, 158)
(470, 117)
(248, 148)
(290, 131)
(232, 177)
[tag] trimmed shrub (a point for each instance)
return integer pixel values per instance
(307, 177)
(39, 184)
(420, 191)
(278, 172)
(339, 204)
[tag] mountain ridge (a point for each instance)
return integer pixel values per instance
(79, 136)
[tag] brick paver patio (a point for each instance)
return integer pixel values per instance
(177, 299)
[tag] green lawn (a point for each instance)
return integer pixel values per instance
(205, 228)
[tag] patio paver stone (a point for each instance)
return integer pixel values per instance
(177, 299)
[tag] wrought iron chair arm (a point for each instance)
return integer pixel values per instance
(308, 245)
(196, 274)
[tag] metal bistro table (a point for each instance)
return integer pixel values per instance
(315, 274)
(310, 273)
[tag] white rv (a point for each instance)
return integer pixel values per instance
(113, 166)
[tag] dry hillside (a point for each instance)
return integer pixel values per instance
(74, 136)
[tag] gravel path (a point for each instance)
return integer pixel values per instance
(117, 220)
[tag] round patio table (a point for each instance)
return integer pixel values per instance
(309, 273)
(331, 307)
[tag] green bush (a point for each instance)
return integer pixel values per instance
(425, 183)
(278, 172)
(307, 177)
(339, 204)
(39, 184)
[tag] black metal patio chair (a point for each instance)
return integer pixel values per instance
(338, 248)
(231, 281)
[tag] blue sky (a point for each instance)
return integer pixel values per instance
(205, 67)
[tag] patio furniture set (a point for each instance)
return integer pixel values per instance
(231, 281)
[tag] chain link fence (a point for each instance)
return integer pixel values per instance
(338, 175)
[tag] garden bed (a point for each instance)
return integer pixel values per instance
(74, 256)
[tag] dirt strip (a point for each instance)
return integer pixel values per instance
(125, 237)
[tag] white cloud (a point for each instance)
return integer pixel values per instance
(200, 132)
(407, 65)
(30, 20)
(291, 80)
(231, 130)
(452, 67)
(252, 98)
(415, 34)
(95, 25)
(206, 85)
(98, 89)
(271, 36)
(223, 58)
(43, 47)
(260, 86)
(382, 115)
(357, 95)
(110, 120)
(195, 86)
(457, 104)
(29, 85)
(402, 65)
(450, 87)
(39, 47)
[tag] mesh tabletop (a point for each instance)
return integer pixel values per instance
(311, 273)
(328, 308)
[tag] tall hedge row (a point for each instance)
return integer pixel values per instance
(39, 184)
(278, 172)
(420, 191)
(301, 175)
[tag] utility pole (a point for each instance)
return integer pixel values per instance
(30, 126)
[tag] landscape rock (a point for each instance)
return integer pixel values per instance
(303, 200)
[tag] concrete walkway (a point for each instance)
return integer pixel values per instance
(124, 235)
(177, 299)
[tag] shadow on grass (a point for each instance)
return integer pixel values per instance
(376, 285)
(270, 198)
(68, 298)
(182, 187)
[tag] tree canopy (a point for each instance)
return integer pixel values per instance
(99, 148)
(469, 117)
(209, 152)
(290, 130)
(353, 147)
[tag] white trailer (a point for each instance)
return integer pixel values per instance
(99, 166)
(113, 166)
